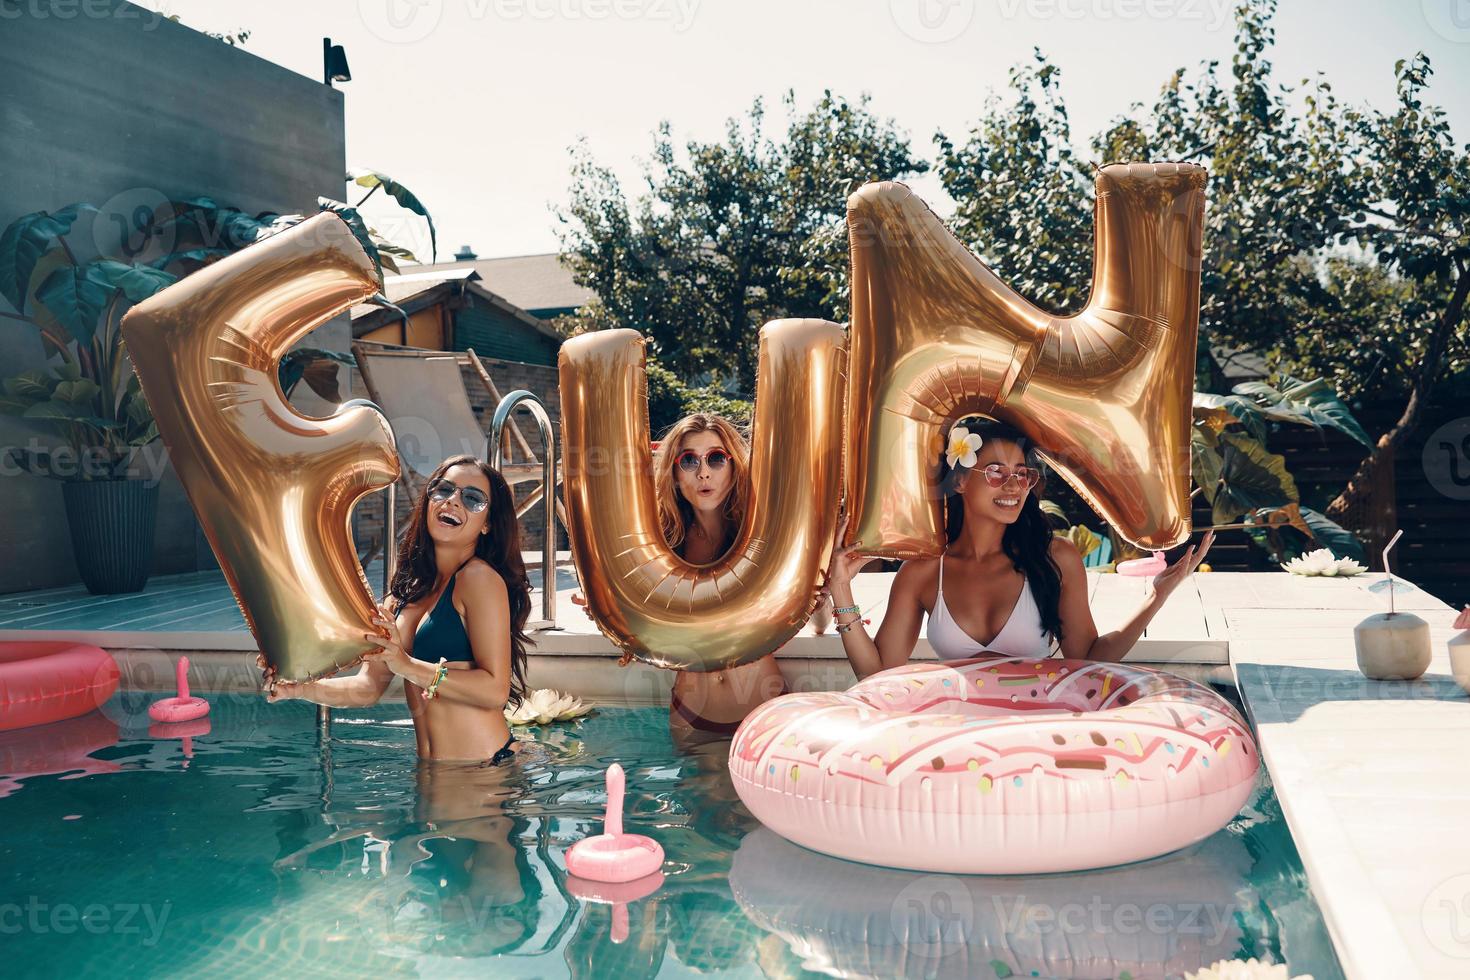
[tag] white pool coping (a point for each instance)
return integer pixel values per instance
(1373, 776)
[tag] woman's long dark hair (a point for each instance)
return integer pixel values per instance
(499, 547)
(1027, 542)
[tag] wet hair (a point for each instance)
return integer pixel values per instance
(675, 514)
(499, 547)
(1027, 542)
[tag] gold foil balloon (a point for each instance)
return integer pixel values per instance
(649, 601)
(1107, 392)
(273, 490)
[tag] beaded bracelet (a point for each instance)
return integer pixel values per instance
(440, 672)
(847, 609)
(844, 627)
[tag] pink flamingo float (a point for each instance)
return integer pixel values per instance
(183, 707)
(1143, 566)
(613, 856)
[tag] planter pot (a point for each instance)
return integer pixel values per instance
(112, 525)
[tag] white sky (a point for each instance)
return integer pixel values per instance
(473, 104)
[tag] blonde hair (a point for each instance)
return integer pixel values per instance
(675, 514)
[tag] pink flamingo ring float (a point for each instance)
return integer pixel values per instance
(613, 856)
(1143, 566)
(183, 707)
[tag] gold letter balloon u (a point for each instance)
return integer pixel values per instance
(273, 489)
(648, 600)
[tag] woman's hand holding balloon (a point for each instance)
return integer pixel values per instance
(1170, 578)
(392, 654)
(846, 562)
(274, 688)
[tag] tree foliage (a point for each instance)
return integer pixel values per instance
(727, 235)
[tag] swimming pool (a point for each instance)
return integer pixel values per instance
(258, 849)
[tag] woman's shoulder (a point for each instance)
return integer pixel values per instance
(916, 573)
(480, 574)
(1065, 554)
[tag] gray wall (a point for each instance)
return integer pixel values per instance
(107, 103)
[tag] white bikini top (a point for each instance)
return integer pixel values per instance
(1021, 636)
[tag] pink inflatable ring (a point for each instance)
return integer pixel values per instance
(42, 681)
(997, 765)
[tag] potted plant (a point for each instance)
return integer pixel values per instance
(86, 393)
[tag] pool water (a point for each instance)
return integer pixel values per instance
(258, 848)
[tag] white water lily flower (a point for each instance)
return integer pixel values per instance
(544, 706)
(963, 445)
(1251, 969)
(1323, 562)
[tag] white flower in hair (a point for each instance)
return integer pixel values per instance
(963, 445)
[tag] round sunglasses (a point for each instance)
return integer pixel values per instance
(998, 476)
(473, 498)
(689, 460)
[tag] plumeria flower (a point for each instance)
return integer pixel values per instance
(963, 445)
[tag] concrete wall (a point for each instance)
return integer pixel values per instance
(107, 103)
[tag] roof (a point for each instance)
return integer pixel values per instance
(532, 282)
(418, 290)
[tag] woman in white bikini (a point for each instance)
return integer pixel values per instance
(1003, 576)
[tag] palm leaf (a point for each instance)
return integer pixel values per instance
(405, 197)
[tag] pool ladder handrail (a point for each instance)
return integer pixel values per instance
(493, 454)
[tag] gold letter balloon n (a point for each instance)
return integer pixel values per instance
(1106, 393)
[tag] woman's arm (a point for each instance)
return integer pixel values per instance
(360, 690)
(487, 621)
(902, 616)
(1080, 637)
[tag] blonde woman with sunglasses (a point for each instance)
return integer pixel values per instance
(701, 482)
(1004, 584)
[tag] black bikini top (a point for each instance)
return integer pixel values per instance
(442, 634)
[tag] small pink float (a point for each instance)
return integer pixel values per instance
(613, 856)
(183, 707)
(1143, 566)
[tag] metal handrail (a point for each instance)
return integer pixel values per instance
(493, 445)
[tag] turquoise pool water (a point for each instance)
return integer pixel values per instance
(258, 849)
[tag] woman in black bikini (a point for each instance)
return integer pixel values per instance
(456, 627)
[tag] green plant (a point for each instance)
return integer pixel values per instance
(87, 392)
(1245, 482)
(90, 397)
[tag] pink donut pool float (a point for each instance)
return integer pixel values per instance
(42, 681)
(998, 765)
